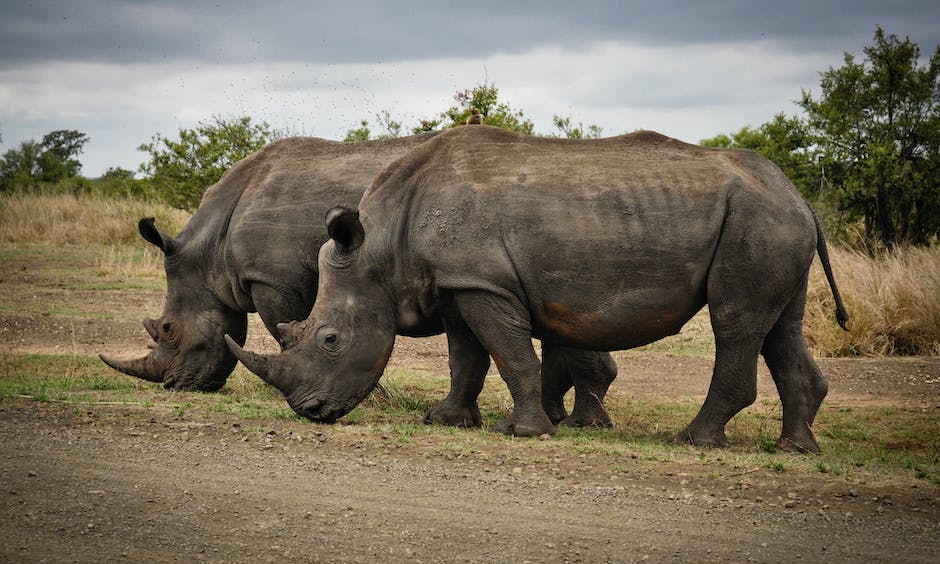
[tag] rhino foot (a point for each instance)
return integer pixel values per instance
(690, 436)
(805, 445)
(599, 420)
(454, 416)
(529, 427)
(556, 412)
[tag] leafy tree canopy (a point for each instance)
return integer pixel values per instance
(877, 126)
(51, 160)
(181, 170)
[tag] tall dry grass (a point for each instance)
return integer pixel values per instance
(893, 300)
(35, 219)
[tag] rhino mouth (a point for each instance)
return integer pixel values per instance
(323, 411)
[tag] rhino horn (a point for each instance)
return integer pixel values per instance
(151, 326)
(290, 332)
(258, 364)
(139, 368)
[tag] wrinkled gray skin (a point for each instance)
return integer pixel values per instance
(251, 247)
(599, 244)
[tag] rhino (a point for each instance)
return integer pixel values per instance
(594, 244)
(251, 248)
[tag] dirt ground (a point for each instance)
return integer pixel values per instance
(102, 482)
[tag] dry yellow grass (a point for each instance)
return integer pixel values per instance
(66, 219)
(893, 301)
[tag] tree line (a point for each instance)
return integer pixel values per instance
(865, 152)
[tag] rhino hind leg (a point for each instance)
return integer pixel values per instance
(469, 363)
(591, 374)
(733, 387)
(746, 299)
(799, 381)
(556, 381)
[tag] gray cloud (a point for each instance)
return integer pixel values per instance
(351, 31)
(122, 71)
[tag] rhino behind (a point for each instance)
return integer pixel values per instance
(250, 247)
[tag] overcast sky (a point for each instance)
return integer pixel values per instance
(122, 71)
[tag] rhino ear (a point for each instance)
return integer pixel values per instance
(345, 229)
(153, 235)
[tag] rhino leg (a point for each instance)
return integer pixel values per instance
(469, 363)
(733, 387)
(556, 381)
(799, 381)
(505, 331)
(590, 372)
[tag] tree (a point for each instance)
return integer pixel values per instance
(563, 124)
(181, 170)
(363, 133)
(60, 148)
(19, 168)
(120, 182)
(35, 163)
(485, 99)
(877, 126)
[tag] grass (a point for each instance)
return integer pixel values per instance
(893, 301)
(858, 441)
(30, 219)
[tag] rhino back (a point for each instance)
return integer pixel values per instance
(620, 230)
(276, 226)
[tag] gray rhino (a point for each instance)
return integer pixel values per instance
(598, 244)
(251, 247)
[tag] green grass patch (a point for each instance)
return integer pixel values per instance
(857, 441)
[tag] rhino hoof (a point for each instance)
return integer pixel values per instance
(807, 445)
(465, 417)
(689, 437)
(595, 421)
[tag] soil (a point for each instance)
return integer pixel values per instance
(102, 482)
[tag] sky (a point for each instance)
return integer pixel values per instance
(124, 71)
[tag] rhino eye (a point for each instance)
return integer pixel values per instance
(166, 327)
(328, 338)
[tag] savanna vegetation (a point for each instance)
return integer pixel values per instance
(864, 152)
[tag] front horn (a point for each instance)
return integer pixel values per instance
(258, 364)
(139, 368)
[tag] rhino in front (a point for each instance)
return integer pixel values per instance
(598, 244)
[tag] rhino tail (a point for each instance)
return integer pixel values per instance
(842, 316)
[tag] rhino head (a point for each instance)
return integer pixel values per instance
(333, 359)
(189, 351)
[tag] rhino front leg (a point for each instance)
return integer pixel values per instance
(504, 330)
(468, 362)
